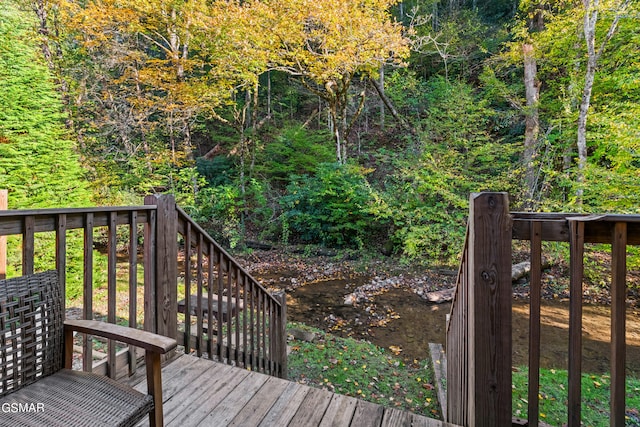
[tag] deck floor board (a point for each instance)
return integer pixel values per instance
(255, 410)
(200, 392)
(340, 411)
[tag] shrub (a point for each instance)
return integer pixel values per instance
(332, 207)
(296, 151)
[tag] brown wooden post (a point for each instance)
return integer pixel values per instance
(489, 318)
(28, 245)
(535, 295)
(61, 252)
(4, 205)
(281, 333)
(165, 282)
(133, 284)
(149, 267)
(87, 306)
(576, 249)
(618, 323)
(112, 266)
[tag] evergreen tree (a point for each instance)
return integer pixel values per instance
(38, 164)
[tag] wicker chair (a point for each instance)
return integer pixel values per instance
(35, 342)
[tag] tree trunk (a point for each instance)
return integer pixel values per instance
(40, 9)
(391, 108)
(593, 55)
(381, 100)
(269, 93)
(532, 128)
(335, 127)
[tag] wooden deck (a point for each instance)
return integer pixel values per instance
(201, 392)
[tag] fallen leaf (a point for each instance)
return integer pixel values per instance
(395, 349)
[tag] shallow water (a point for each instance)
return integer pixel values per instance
(410, 323)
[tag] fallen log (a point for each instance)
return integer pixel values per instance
(518, 271)
(522, 269)
(258, 245)
(438, 297)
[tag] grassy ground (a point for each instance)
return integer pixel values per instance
(360, 369)
(553, 398)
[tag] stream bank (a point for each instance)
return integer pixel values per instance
(391, 310)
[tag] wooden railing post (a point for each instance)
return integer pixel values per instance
(4, 205)
(618, 322)
(281, 334)
(489, 327)
(163, 303)
(576, 276)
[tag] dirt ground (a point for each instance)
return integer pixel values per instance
(596, 333)
(390, 310)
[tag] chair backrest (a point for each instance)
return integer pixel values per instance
(31, 329)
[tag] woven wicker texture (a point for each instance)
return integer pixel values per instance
(36, 391)
(31, 329)
(73, 398)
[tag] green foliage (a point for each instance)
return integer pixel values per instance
(141, 118)
(218, 171)
(295, 151)
(186, 183)
(612, 140)
(218, 209)
(428, 214)
(408, 92)
(451, 45)
(224, 210)
(332, 207)
(458, 128)
(360, 369)
(38, 164)
(427, 195)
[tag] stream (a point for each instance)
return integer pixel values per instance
(403, 321)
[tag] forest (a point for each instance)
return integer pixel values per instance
(358, 125)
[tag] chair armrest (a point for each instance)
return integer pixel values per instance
(153, 344)
(143, 339)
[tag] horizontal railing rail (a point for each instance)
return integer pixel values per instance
(29, 225)
(479, 314)
(232, 317)
(618, 231)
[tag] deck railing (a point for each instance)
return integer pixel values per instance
(480, 311)
(479, 326)
(619, 231)
(236, 319)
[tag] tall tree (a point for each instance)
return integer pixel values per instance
(38, 162)
(535, 14)
(591, 12)
(328, 45)
(532, 126)
(144, 72)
